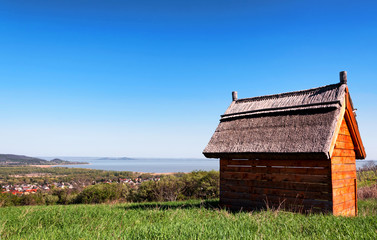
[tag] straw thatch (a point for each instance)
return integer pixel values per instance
(301, 122)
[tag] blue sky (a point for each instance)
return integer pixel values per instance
(151, 78)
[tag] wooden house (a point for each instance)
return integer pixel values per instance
(293, 150)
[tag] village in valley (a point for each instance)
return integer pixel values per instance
(27, 188)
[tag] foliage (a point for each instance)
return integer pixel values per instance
(194, 185)
(64, 196)
(367, 175)
(145, 192)
(201, 185)
(367, 182)
(167, 189)
(103, 193)
(192, 219)
(8, 199)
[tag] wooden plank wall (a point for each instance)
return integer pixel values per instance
(343, 174)
(295, 185)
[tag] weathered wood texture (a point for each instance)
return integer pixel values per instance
(343, 174)
(297, 185)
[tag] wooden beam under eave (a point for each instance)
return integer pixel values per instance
(353, 128)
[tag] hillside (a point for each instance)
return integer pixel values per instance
(17, 160)
(179, 220)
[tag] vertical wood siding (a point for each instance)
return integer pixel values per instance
(343, 174)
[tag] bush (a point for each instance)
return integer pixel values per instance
(103, 193)
(51, 199)
(367, 192)
(367, 175)
(201, 185)
(65, 196)
(8, 199)
(145, 192)
(32, 199)
(194, 185)
(169, 188)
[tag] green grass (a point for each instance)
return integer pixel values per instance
(366, 178)
(179, 220)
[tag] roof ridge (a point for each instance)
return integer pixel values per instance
(259, 98)
(290, 108)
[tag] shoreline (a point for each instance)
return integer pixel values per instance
(48, 166)
(42, 166)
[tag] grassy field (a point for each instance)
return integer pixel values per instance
(179, 220)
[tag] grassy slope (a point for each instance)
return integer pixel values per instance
(179, 220)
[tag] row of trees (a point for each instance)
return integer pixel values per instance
(194, 185)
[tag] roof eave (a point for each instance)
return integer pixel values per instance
(269, 156)
(354, 128)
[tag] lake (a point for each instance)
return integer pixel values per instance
(150, 165)
(156, 165)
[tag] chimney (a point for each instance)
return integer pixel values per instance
(343, 77)
(234, 96)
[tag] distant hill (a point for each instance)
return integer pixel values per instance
(16, 160)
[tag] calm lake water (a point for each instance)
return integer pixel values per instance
(156, 165)
(150, 165)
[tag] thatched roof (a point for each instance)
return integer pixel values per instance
(294, 123)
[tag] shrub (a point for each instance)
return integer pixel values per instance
(65, 196)
(32, 199)
(101, 193)
(201, 185)
(367, 175)
(51, 199)
(168, 189)
(8, 199)
(367, 192)
(145, 192)
(194, 185)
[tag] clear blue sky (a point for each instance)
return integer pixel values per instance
(151, 78)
